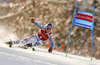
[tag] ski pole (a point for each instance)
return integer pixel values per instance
(25, 8)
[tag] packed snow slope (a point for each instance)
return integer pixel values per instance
(19, 56)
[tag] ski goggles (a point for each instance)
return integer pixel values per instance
(49, 29)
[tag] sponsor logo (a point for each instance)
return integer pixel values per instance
(84, 17)
(82, 25)
(40, 36)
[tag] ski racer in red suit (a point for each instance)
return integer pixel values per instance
(37, 39)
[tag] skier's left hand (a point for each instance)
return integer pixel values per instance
(32, 20)
(50, 49)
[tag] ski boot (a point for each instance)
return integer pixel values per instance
(9, 43)
(29, 45)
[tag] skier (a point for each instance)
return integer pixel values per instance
(37, 39)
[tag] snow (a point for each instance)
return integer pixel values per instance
(6, 34)
(18, 56)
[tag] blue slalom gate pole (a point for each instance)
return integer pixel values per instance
(94, 9)
(92, 33)
(76, 6)
(71, 28)
(68, 41)
(92, 46)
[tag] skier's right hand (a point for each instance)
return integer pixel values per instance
(32, 20)
(50, 49)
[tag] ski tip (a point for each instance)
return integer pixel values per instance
(33, 49)
(10, 45)
(91, 58)
(66, 55)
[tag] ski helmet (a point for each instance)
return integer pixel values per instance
(48, 26)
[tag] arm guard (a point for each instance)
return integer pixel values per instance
(52, 41)
(38, 25)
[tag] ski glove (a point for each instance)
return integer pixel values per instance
(32, 20)
(50, 49)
